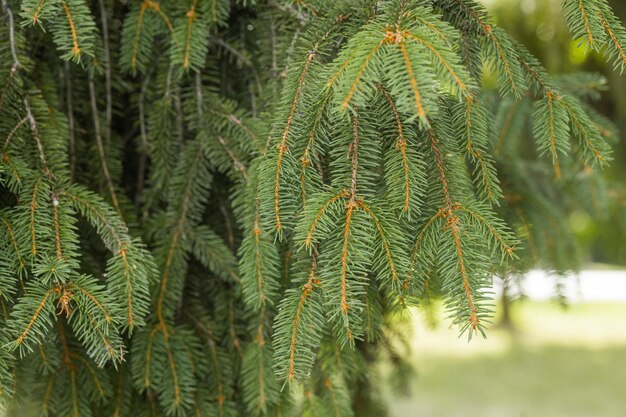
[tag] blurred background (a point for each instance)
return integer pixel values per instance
(557, 346)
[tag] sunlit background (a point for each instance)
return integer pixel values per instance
(559, 349)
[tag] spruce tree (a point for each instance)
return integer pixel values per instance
(217, 207)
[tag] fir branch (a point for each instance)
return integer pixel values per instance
(100, 146)
(433, 28)
(108, 114)
(502, 241)
(87, 203)
(581, 6)
(298, 328)
(320, 213)
(259, 260)
(47, 394)
(434, 144)
(282, 146)
(215, 359)
(21, 262)
(33, 320)
(498, 45)
(92, 373)
(305, 160)
(448, 212)
(617, 37)
(135, 43)
(351, 206)
(307, 289)
(513, 110)
(417, 246)
(144, 138)
(342, 68)
(593, 146)
(139, 28)
(33, 207)
(359, 75)
(70, 119)
(172, 366)
(353, 153)
(75, 51)
(385, 242)
(416, 93)
(189, 202)
(557, 170)
(157, 8)
(503, 58)
(551, 127)
(38, 11)
(191, 16)
(457, 80)
(147, 381)
(12, 133)
(57, 234)
(401, 145)
(453, 223)
(585, 17)
(130, 268)
(74, 392)
(166, 270)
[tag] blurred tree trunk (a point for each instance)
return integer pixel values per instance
(505, 303)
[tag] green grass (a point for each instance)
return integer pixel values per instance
(557, 363)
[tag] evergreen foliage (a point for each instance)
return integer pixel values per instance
(219, 208)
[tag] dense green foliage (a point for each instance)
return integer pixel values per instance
(214, 207)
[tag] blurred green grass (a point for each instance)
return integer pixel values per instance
(556, 363)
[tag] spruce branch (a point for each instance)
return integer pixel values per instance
(70, 119)
(409, 68)
(100, 145)
(75, 51)
(191, 16)
(282, 146)
(308, 242)
(401, 145)
(616, 34)
(384, 241)
(33, 207)
(12, 133)
(108, 114)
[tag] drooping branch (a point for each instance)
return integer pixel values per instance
(141, 169)
(383, 237)
(401, 145)
(307, 290)
(416, 92)
(359, 75)
(282, 146)
(70, 119)
(76, 50)
(100, 145)
(320, 213)
(108, 114)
